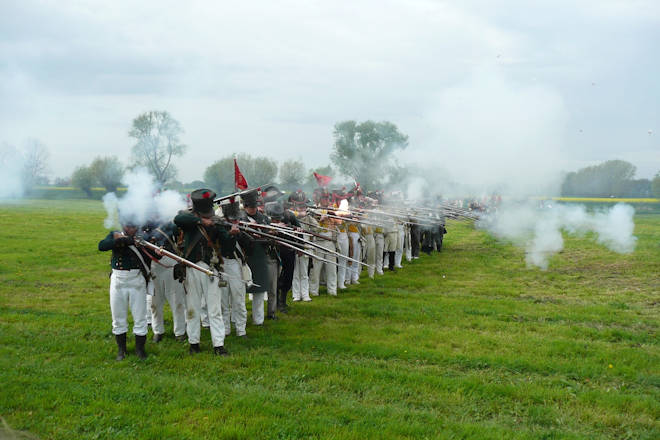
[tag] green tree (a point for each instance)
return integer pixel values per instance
(364, 150)
(257, 171)
(655, 186)
(158, 142)
(108, 172)
(83, 178)
(292, 174)
(611, 178)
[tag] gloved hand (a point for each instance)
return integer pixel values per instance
(124, 241)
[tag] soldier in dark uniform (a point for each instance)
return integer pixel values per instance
(203, 239)
(261, 257)
(415, 239)
(285, 217)
(128, 287)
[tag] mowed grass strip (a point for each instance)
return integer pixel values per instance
(468, 343)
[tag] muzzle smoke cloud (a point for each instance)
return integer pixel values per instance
(143, 202)
(539, 230)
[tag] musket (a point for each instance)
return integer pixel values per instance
(346, 218)
(178, 259)
(308, 244)
(238, 193)
(285, 243)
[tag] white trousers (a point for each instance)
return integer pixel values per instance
(258, 307)
(398, 252)
(379, 242)
(330, 269)
(167, 288)
(407, 244)
(370, 254)
(128, 289)
(300, 285)
(342, 243)
(199, 285)
(233, 298)
(354, 268)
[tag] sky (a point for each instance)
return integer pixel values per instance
(484, 90)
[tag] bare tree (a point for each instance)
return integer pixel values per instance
(157, 135)
(35, 163)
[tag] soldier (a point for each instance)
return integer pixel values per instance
(415, 238)
(286, 218)
(300, 283)
(379, 243)
(233, 303)
(368, 237)
(203, 239)
(391, 235)
(165, 286)
(261, 257)
(355, 251)
(327, 229)
(343, 247)
(128, 287)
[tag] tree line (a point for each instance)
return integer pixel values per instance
(614, 178)
(362, 152)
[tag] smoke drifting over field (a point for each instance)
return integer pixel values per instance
(539, 230)
(11, 173)
(142, 202)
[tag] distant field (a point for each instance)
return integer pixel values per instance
(605, 200)
(468, 343)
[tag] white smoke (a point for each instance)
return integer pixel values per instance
(415, 189)
(539, 230)
(111, 203)
(11, 173)
(142, 202)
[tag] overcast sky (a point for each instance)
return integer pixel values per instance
(482, 88)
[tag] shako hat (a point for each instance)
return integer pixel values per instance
(202, 201)
(275, 210)
(250, 198)
(298, 199)
(230, 208)
(271, 193)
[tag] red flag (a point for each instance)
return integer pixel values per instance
(239, 180)
(322, 180)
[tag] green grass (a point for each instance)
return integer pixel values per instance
(491, 350)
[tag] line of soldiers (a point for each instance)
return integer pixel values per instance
(274, 244)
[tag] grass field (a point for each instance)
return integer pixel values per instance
(468, 343)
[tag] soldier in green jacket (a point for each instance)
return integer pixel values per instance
(203, 240)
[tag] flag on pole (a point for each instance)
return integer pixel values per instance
(322, 180)
(239, 179)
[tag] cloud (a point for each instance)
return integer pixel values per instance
(276, 76)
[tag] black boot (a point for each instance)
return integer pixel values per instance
(121, 346)
(391, 257)
(220, 351)
(157, 337)
(281, 301)
(139, 346)
(194, 348)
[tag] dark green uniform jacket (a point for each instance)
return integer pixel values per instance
(258, 255)
(123, 258)
(195, 246)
